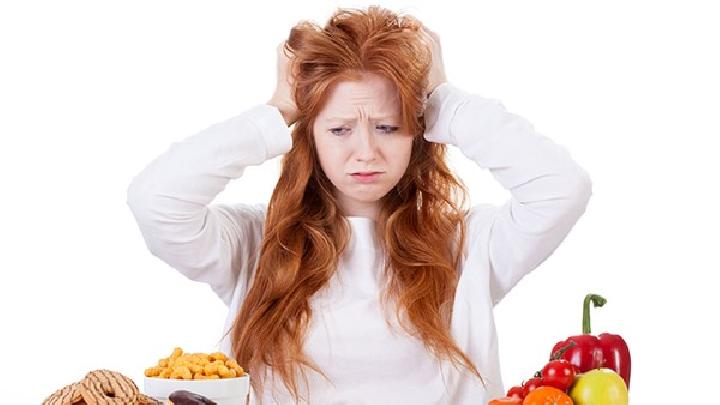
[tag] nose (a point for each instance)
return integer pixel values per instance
(365, 144)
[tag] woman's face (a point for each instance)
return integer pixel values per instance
(358, 131)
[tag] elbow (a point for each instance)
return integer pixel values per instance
(573, 203)
(583, 189)
(559, 211)
(132, 195)
(135, 198)
(577, 199)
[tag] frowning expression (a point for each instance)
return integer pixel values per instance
(361, 144)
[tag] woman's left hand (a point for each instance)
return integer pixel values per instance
(283, 97)
(436, 76)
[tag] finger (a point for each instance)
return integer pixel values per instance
(426, 37)
(429, 32)
(430, 37)
(282, 49)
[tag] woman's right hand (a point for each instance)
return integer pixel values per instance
(283, 97)
(436, 76)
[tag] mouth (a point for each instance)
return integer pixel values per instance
(364, 173)
(365, 177)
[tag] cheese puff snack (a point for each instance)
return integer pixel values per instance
(195, 366)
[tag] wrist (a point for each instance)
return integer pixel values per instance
(433, 87)
(288, 113)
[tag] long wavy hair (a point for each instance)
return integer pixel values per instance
(421, 221)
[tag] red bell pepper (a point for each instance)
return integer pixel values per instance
(587, 352)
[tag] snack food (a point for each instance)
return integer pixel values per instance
(101, 387)
(107, 387)
(67, 395)
(184, 397)
(195, 366)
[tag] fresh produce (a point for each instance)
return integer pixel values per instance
(588, 352)
(547, 396)
(516, 391)
(582, 370)
(559, 374)
(530, 385)
(506, 401)
(599, 387)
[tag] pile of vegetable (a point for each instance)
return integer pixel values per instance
(582, 370)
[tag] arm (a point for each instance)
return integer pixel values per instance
(549, 191)
(170, 199)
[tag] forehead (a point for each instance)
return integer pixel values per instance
(372, 96)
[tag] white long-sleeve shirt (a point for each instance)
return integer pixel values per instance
(368, 360)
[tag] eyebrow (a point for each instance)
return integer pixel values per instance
(353, 119)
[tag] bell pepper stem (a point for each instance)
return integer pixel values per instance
(597, 301)
(561, 351)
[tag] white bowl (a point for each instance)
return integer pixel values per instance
(224, 391)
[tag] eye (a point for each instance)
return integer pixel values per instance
(385, 129)
(336, 131)
(388, 129)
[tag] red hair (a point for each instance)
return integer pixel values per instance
(418, 223)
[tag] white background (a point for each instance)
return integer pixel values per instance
(91, 92)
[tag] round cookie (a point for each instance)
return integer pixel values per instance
(146, 400)
(105, 387)
(67, 395)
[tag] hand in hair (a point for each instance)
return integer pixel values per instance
(436, 76)
(283, 97)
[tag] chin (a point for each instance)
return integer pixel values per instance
(368, 197)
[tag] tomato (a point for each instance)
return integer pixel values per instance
(559, 374)
(547, 396)
(506, 401)
(516, 391)
(530, 385)
(599, 387)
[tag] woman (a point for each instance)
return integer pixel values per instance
(364, 279)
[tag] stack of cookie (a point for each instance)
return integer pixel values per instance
(100, 387)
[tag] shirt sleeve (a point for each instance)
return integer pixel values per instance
(549, 190)
(171, 199)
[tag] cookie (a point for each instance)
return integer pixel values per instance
(105, 387)
(67, 395)
(146, 400)
(101, 387)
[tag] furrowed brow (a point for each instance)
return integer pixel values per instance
(353, 119)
